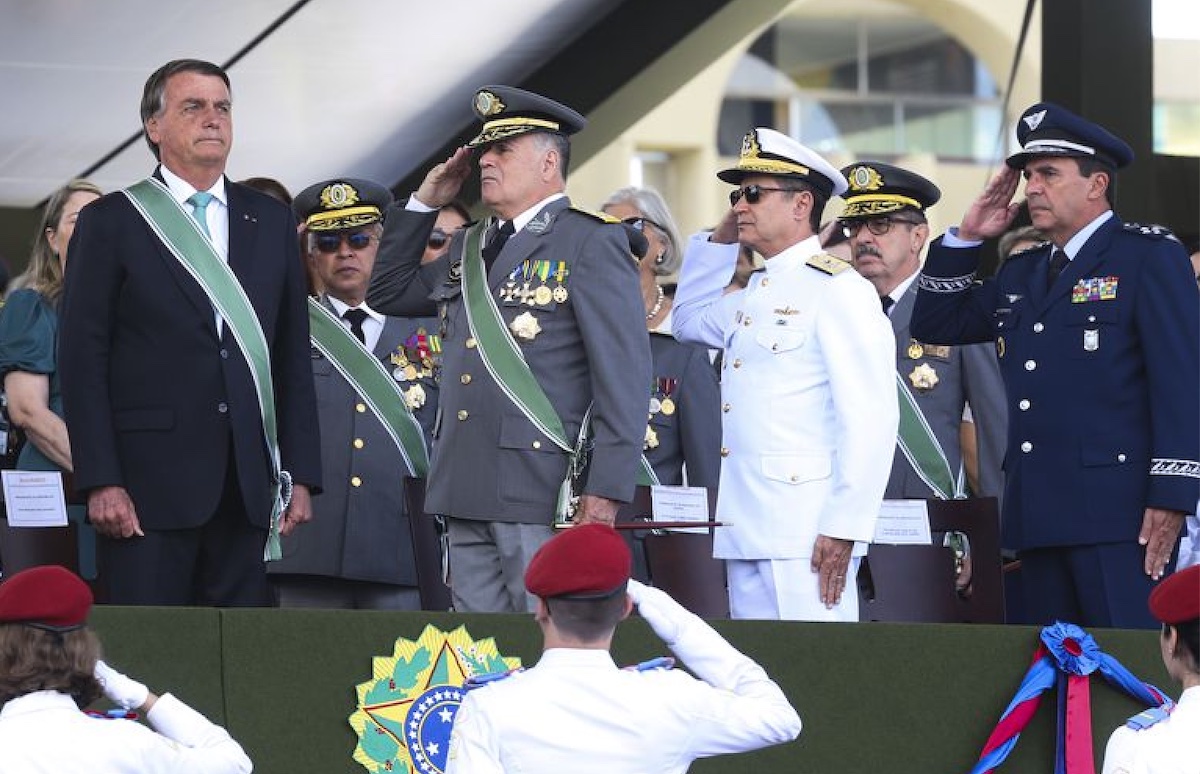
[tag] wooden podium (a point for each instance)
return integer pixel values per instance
(680, 563)
(915, 583)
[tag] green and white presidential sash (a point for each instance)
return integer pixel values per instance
(181, 234)
(367, 377)
(920, 446)
(505, 361)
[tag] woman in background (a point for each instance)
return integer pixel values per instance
(683, 436)
(28, 351)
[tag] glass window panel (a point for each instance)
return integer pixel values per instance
(739, 116)
(951, 131)
(851, 127)
(1177, 128)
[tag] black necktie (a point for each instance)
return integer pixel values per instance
(356, 317)
(496, 244)
(886, 302)
(1058, 262)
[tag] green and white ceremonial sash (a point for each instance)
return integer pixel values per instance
(921, 448)
(372, 382)
(505, 361)
(181, 234)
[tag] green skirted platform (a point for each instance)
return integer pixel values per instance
(873, 697)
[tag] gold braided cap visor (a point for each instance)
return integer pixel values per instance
(337, 220)
(510, 127)
(876, 204)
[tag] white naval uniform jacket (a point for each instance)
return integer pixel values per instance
(46, 732)
(1167, 747)
(808, 392)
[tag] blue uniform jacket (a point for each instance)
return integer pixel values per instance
(1102, 375)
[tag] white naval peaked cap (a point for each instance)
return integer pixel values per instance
(768, 152)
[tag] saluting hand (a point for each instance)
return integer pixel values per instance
(1160, 532)
(112, 513)
(726, 232)
(443, 182)
(299, 509)
(993, 211)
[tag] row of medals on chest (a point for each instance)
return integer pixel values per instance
(661, 402)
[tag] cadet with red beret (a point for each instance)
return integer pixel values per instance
(576, 711)
(1163, 740)
(50, 669)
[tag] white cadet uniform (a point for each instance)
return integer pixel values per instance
(46, 732)
(809, 419)
(575, 711)
(1167, 747)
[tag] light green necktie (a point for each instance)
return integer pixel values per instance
(200, 201)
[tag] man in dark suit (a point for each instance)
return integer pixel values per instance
(358, 552)
(566, 290)
(1097, 336)
(885, 220)
(168, 438)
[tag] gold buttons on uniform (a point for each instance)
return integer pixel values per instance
(360, 408)
(765, 281)
(725, 407)
(465, 378)
(737, 363)
(794, 479)
(462, 415)
(355, 481)
(358, 443)
(724, 451)
(746, 322)
(470, 343)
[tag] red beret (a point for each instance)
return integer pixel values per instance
(49, 596)
(588, 561)
(1177, 599)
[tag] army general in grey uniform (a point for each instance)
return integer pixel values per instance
(359, 552)
(885, 221)
(566, 290)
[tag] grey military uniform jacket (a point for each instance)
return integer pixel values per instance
(689, 432)
(360, 527)
(588, 347)
(942, 378)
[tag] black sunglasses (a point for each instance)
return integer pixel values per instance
(753, 193)
(877, 226)
(640, 221)
(329, 243)
(438, 239)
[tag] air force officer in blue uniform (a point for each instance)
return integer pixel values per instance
(1096, 332)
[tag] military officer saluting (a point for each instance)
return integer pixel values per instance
(544, 348)
(359, 552)
(885, 221)
(808, 388)
(1097, 335)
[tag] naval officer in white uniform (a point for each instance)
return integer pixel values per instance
(808, 389)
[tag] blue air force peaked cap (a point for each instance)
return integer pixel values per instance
(878, 189)
(1049, 130)
(507, 111)
(341, 203)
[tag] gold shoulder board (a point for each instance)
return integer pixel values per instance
(830, 264)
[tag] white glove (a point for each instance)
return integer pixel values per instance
(123, 691)
(666, 616)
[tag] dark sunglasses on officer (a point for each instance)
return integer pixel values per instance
(753, 193)
(438, 239)
(329, 242)
(878, 226)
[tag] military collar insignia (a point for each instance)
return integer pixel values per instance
(488, 104)
(864, 178)
(540, 222)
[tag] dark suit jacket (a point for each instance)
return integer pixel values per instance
(1102, 372)
(690, 435)
(154, 400)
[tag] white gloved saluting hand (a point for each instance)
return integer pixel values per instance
(123, 691)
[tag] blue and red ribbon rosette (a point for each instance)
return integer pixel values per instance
(1066, 657)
